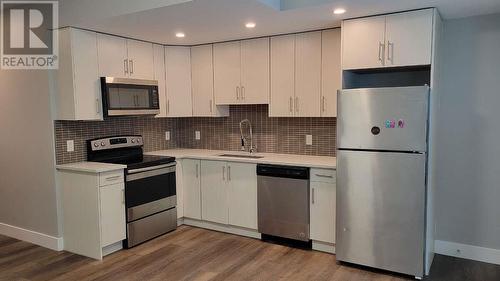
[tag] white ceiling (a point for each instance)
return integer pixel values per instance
(205, 21)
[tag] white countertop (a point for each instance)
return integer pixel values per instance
(90, 167)
(325, 162)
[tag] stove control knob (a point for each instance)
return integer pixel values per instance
(102, 143)
(138, 140)
(133, 141)
(96, 144)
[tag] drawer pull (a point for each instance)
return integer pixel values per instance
(324, 176)
(113, 178)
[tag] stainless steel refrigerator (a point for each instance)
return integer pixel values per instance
(382, 138)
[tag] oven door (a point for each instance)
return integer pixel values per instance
(123, 96)
(150, 190)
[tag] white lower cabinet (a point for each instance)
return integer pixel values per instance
(214, 206)
(191, 188)
(322, 212)
(112, 213)
(229, 193)
(242, 194)
(93, 211)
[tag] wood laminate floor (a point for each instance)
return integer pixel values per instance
(197, 254)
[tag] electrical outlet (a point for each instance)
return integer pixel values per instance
(197, 135)
(309, 140)
(167, 135)
(70, 145)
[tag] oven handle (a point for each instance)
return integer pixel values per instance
(150, 173)
(151, 168)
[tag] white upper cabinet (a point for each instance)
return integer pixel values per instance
(112, 52)
(159, 75)
(296, 75)
(363, 43)
(241, 72)
(255, 71)
(330, 71)
(409, 38)
(78, 94)
(119, 57)
(395, 40)
(227, 71)
(140, 59)
(202, 75)
(282, 76)
(178, 81)
(307, 74)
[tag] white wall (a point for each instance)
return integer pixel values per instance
(27, 181)
(468, 145)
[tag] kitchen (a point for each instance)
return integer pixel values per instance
(325, 139)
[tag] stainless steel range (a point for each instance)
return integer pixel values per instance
(150, 191)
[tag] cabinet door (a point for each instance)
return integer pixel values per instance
(203, 80)
(112, 52)
(159, 75)
(282, 76)
(255, 71)
(363, 43)
(409, 38)
(191, 170)
(307, 74)
(87, 86)
(178, 67)
(112, 213)
(242, 194)
(213, 191)
(227, 73)
(323, 211)
(140, 59)
(330, 71)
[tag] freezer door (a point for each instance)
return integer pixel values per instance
(383, 119)
(381, 210)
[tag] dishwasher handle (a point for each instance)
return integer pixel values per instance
(279, 171)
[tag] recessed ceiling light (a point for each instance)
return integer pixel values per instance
(250, 25)
(180, 35)
(339, 11)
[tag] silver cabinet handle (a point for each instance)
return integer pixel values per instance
(131, 66)
(291, 105)
(197, 175)
(125, 66)
(237, 92)
(323, 104)
(324, 176)
(210, 103)
(112, 178)
(168, 106)
(223, 173)
(390, 52)
(297, 104)
(97, 106)
(123, 196)
(312, 195)
(242, 92)
(381, 52)
(229, 173)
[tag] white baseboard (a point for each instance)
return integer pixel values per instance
(222, 228)
(44, 240)
(467, 251)
(112, 248)
(323, 247)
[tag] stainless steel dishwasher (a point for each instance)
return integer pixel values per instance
(283, 201)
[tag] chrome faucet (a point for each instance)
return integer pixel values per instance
(252, 148)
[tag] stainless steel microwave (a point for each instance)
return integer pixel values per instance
(123, 96)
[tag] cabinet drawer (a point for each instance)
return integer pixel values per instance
(112, 177)
(323, 175)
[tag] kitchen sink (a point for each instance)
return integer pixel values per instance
(241, 156)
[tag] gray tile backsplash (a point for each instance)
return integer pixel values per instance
(277, 135)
